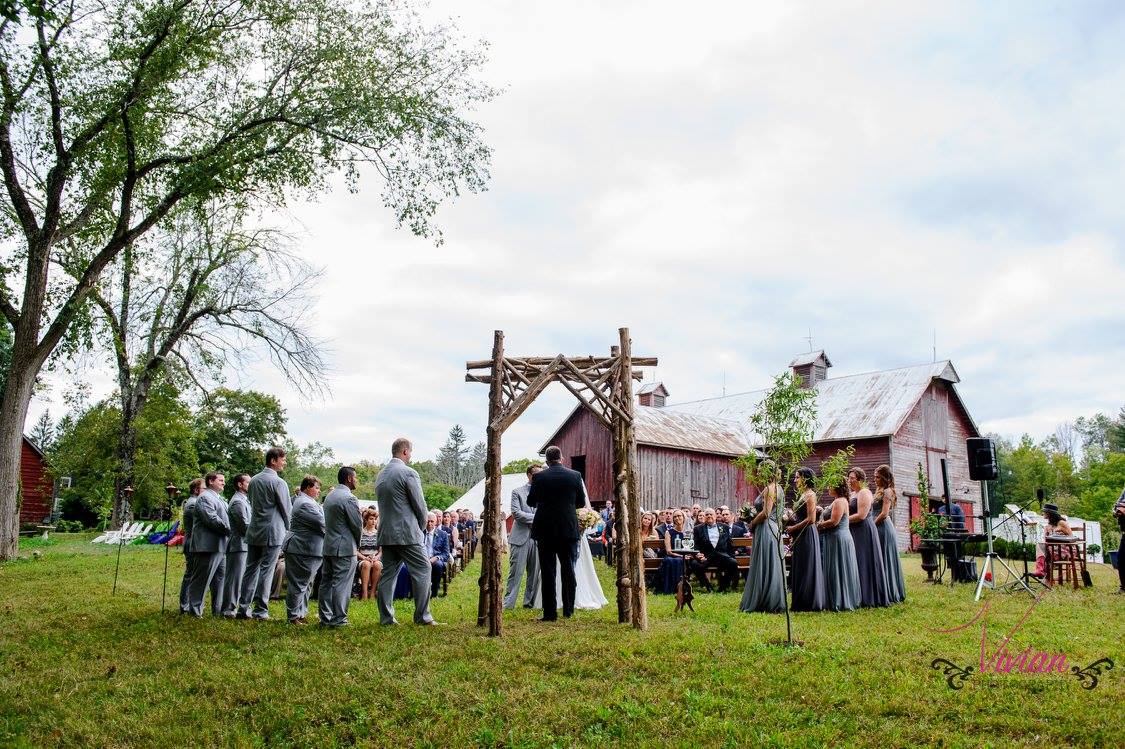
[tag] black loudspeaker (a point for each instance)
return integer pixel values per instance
(982, 459)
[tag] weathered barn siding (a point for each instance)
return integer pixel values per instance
(584, 435)
(35, 485)
(670, 478)
(936, 428)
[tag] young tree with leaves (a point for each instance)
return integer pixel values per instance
(115, 112)
(783, 424)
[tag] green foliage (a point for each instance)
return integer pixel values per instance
(441, 496)
(928, 524)
(86, 451)
(236, 427)
(519, 466)
(834, 470)
(1105, 479)
(1008, 549)
(784, 423)
(1026, 467)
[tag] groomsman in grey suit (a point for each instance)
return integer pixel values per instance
(269, 520)
(209, 546)
(187, 523)
(522, 552)
(304, 549)
(342, 526)
(402, 516)
(238, 515)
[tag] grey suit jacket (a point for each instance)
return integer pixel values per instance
(211, 528)
(269, 509)
(188, 523)
(402, 507)
(523, 514)
(238, 515)
(342, 523)
(306, 534)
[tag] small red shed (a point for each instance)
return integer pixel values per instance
(36, 486)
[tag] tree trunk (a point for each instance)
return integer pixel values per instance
(13, 411)
(126, 460)
(621, 511)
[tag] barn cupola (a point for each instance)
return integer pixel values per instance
(653, 394)
(811, 368)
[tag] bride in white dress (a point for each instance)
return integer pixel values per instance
(588, 589)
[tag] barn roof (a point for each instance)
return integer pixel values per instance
(686, 431)
(872, 404)
(810, 358)
(31, 443)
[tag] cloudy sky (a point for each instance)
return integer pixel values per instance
(727, 177)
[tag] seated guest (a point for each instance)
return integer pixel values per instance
(445, 524)
(956, 523)
(648, 533)
(437, 549)
(712, 542)
(370, 565)
(1057, 530)
(665, 521)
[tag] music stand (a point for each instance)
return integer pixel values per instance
(1026, 577)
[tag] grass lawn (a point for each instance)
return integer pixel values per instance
(87, 669)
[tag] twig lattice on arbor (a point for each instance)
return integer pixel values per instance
(604, 385)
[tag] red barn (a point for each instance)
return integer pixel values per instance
(36, 487)
(901, 417)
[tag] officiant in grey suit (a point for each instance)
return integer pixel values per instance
(269, 520)
(342, 526)
(523, 556)
(402, 517)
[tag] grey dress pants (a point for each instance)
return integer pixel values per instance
(232, 581)
(522, 557)
(416, 561)
(300, 571)
(257, 580)
(337, 575)
(208, 572)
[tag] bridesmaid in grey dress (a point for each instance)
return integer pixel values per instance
(807, 578)
(868, 550)
(886, 497)
(841, 576)
(765, 582)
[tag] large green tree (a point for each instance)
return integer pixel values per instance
(85, 450)
(115, 112)
(235, 428)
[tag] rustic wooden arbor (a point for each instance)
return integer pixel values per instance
(604, 385)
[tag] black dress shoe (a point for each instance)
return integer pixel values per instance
(545, 619)
(528, 606)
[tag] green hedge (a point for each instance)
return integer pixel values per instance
(1007, 549)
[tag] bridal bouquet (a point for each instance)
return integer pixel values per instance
(587, 519)
(748, 513)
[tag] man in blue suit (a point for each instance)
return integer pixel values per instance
(437, 549)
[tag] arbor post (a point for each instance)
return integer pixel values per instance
(621, 509)
(635, 552)
(491, 599)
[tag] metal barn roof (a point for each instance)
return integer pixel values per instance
(871, 404)
(687, 431)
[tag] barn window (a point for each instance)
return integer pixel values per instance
(697, 489)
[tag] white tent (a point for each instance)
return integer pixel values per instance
(474, 498)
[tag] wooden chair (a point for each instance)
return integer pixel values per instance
(1062, 562)
(653, 565)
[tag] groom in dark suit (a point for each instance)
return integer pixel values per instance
(556, 493)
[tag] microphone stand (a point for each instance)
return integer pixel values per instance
(1026, 577)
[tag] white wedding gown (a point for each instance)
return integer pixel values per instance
(588, 591)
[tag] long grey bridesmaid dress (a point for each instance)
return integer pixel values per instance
(869, 558)
(807, 577)
(892, 565)
(765, 582)
(841, 574)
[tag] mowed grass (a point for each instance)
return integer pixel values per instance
(82, 668)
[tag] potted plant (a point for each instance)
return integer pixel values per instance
(927, 526)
